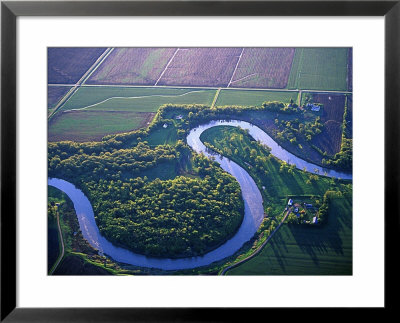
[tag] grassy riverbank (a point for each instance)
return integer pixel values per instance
(79, 257)
(305, 250)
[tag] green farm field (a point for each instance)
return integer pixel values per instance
(163, 136)
(93, 125)
(138, 99)
(253, 97)
(302, 250)
(93, 112)
(319, 69)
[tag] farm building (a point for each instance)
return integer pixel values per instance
(178, 117)
(314, 220)
(165, 125)
(290, 202)
(313, 107)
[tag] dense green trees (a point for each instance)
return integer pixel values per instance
(76, 165)
(280, 107)
(344, 158)
(180, 217)
(184, 216)
(294, 130)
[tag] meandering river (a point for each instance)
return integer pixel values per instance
(253, 215)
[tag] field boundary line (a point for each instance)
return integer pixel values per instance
(166, 67)
(94, 67)
(215, 97)
(234, 71)
(207, 88)
(61, 102)
(82, 80)
(245, 77)
(299, 98)
(135, 97)
(62, 245)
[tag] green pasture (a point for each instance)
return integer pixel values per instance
(253, 97)
(319, 69)
(138, 99)
(305, 250)
(162, 136)
(93, 125)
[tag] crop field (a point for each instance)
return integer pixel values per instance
(264, 68)
(302, 250)
(93, 125)
(330, 138)
(319, 69)
(139, 66)
(210, 67)
(350, 70)
(68, 65)
(253, 97)
(138, 99)
(93, 112)
(55, 94)
(333, 106)
(349, 117)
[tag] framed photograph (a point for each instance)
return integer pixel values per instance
(197, 151)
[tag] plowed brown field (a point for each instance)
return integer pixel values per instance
(330, 138)
(201, 67)
(264, 68)
(128, 66)
(68, 65)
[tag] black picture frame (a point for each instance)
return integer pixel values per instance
(10, 10)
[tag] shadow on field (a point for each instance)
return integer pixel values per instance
(74, 265)
(319, 240)
(280, 249)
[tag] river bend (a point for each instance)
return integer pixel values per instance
(253, 215)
